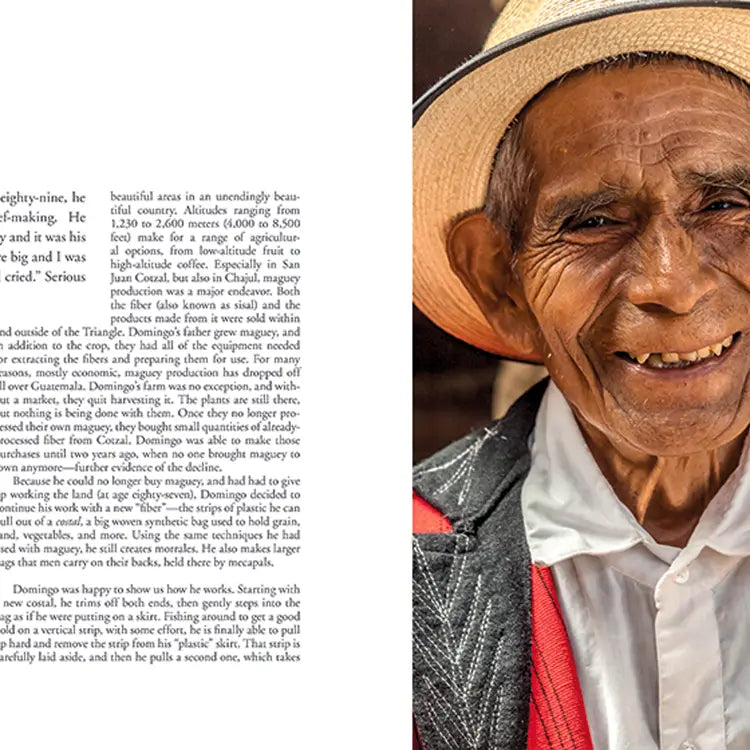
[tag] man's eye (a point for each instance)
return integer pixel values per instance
(593, 222)
(722, 206)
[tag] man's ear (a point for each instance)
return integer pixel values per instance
(480, 255)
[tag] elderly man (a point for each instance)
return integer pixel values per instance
(581, 567)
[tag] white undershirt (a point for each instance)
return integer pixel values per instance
(660, 635)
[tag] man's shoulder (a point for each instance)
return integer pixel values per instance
(471, 585)
(465, 478)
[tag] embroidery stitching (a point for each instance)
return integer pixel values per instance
(452, 651)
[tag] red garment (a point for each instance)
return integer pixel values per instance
(557, 718)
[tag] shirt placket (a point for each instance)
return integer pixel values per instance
(691, 701)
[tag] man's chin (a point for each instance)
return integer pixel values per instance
(676, 433)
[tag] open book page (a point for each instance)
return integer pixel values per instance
(204, 277)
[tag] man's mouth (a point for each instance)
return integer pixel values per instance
(680, 360)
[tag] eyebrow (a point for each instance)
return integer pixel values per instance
(735, 177)
(572, 208)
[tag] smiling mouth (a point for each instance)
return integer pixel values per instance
(680, 360)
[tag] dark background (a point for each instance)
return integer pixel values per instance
(452, 380)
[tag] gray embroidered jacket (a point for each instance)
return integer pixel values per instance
(471, 612)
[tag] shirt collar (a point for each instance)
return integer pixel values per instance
(570, 509)
(725, 524)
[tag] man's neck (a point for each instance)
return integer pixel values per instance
(666, 494)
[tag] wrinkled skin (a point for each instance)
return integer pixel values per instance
(636, 239)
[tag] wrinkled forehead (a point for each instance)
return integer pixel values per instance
(598, 122)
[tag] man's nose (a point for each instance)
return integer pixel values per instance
(669, 271)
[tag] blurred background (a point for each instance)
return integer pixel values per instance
(456, 387)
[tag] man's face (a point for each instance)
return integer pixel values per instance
(637, 242)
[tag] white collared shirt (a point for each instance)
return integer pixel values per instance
(660, 635)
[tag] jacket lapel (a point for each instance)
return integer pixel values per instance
(476, 654)
(471, 617)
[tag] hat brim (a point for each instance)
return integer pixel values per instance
(459, 122)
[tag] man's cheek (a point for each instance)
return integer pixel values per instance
(546, 269)
(728, 250)
(564, 357)
(565, 316)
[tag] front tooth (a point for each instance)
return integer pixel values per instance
(655, 360)
(671, 357)
(689, 356)
(716, 348)
(703, 353)
(727, 342)
(642, 358)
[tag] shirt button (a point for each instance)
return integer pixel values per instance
(683, 577)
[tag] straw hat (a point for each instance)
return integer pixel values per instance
(458, 123)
